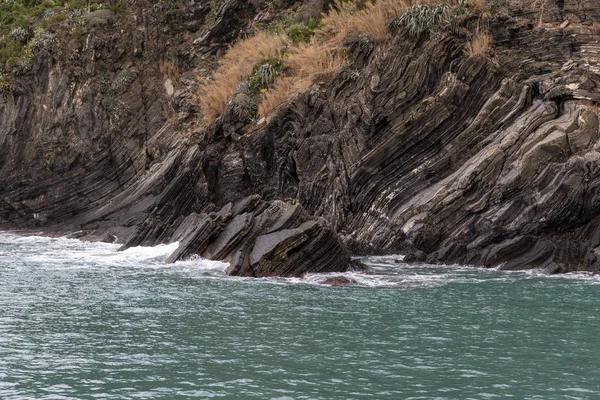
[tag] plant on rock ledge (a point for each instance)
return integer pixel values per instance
(424, 18)
(243, 103)
(313, 54)
(264, 74)
(479, 45)
(20, 34)
(6, 83)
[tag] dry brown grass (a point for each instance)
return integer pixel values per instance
(479, 5)
(321, 60)
(314, 62)
(282, 93)
(234, 68)
(481, 44)
(371, 21)
(305, 65)
(340, 23)
(168, 68)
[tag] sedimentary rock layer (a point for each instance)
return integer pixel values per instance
(260, 239)
(415, 148)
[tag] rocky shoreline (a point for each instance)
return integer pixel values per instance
(414, 148)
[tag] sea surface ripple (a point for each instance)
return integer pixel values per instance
(84, 321)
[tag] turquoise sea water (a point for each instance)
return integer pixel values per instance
(83, 321)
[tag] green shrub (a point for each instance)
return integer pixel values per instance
(76, 17)
(20, 34)
(56, 18)
(303, 33)
(111, 102)
(284, 21)
(214, 12)
(42, 40)
(429, 18)
(23, 34)
(275, 6)
(47, 13)
(264, 74)
(22, 24)
(10, 49)
(17, 59)
(31, 13)
(78, 35)
(118, 8)
(243, 104)
(21, 65)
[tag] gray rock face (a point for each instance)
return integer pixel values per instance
(262, 239)
(415, 148)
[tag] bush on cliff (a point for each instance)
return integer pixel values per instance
(235, 67)
(314, 53)
(24, 26)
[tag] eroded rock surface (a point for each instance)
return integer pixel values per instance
(259, 238)
(415, 148)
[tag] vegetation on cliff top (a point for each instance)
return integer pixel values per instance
(315, 52)
(26, 29)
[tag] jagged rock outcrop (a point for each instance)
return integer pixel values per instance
(259, 238)
(415, 148)
(93, 115)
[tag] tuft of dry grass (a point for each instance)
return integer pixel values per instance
(234, 68)
(372, 20)
(282, 93)
(305, 65)
(481, 44)
(346, 19)
(479, 5)
(314, 62)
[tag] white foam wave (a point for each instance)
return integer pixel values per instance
(199, 263)
(64, 253)
(589, 277)
(384, 271)
(376, 280)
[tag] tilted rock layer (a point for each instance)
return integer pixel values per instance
(415, 148)
(262, 239)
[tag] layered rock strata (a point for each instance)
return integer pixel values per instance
(415, 148)
(259, 239)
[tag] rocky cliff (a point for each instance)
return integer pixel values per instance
(415, 147)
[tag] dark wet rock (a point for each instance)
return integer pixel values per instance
(554, 268)
(339, 281)
(413, 257)
(268, 239)
(201, 230)
(108, 237)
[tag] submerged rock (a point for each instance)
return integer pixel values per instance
(339, 281)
